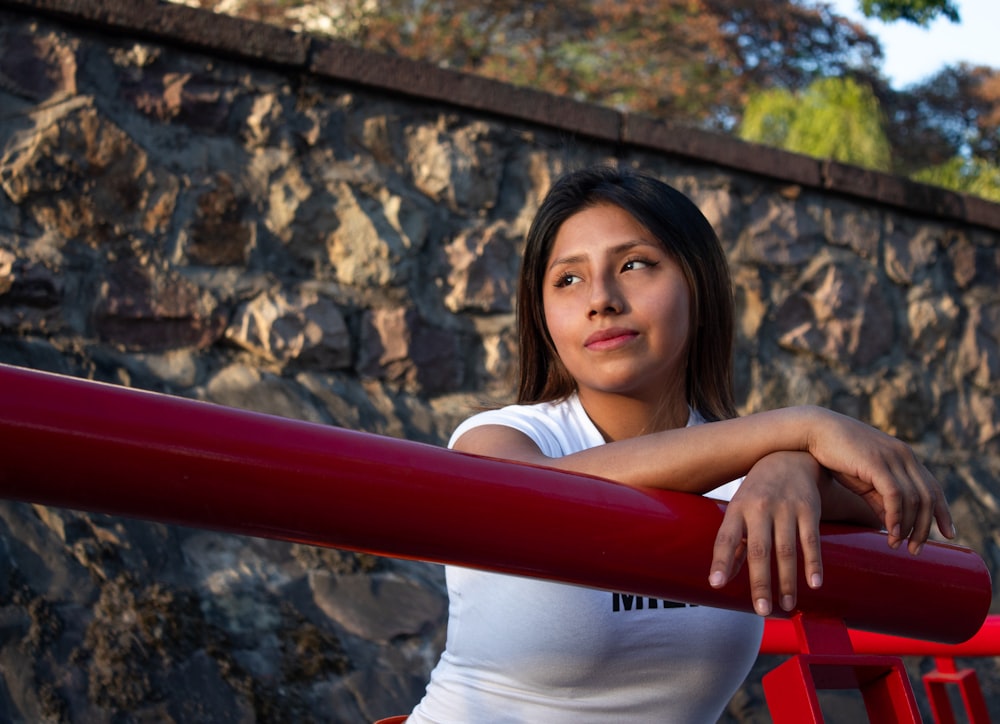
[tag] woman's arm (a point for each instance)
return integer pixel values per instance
(797, 461)
(880, 469)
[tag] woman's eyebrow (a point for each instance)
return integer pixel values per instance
(564, 260)
(613, 251)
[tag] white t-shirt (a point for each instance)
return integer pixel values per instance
(529, 650)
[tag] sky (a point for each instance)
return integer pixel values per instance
(912, 54)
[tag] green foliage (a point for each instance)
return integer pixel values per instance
(833, 118)
(968, 175)
(769, 117)
(918, 12)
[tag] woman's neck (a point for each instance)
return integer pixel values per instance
(620, 417)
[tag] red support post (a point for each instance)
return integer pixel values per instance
(785, 637)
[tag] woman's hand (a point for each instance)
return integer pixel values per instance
(777, 506)
(885, 473)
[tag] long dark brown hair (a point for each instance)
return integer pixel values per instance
(674, 220)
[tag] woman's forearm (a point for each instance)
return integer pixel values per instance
(698, 458)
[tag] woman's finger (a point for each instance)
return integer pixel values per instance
(924, 516)
(729, 549)
(786, 556)
(759, 543)
(812, 557)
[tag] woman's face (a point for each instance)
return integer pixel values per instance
(617, 306)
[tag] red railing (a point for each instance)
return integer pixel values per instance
(91, 446)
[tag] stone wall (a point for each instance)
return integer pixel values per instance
(229, 212)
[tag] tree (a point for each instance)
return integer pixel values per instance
(971, 176)
(693, 61)
(919, 12)
(956, 111)
(833, 118)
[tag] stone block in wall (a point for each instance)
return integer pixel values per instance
(81, 176)
(970, 420)
(909, 256)
(32, 291)
(979, 349)
(902, 404)
(458, 166)
(369, 605)
(856, 227)
(294, 209)
(7, 259)
(399, 346)
(750, 305)
(499, 365)
(376, 239)
(29, 281)
(249, 388)
(932, 321)
(39, 66)
(842, 315)
(780, 232)
(184, 91)
(974, 263)
(288, 326)
(483, 274)
(783, 381)
(143, 307)
(717, 205)
(221, 233)
(985, 409)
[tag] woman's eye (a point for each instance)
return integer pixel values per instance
(567, 279)
(633, 264)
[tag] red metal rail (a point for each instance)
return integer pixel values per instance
(91, 446)
(781, 637)
(79, 444)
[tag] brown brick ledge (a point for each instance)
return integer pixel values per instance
(268, 45)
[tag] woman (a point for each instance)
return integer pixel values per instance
(625, 325)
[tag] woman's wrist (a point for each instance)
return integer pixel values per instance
(807, 425)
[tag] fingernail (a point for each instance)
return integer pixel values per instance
(895, 531)
(788, 602)
(916, 551)
(816, 580)
(716, 579)
(763, 606)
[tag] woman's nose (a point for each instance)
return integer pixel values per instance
(605, 298)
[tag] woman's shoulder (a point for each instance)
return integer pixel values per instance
(558, 427)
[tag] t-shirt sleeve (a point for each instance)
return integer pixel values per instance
(522, 419)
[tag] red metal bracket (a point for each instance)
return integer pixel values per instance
(937, 682)
(829, 663)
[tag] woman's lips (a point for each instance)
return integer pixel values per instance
(609, 338)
